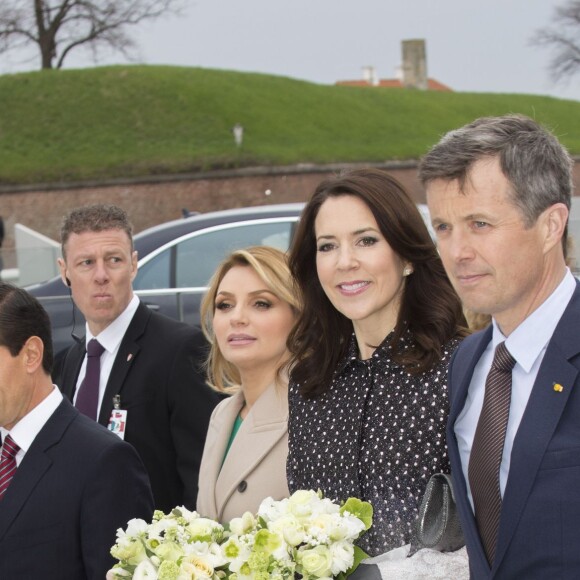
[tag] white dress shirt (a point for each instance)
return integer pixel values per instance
(527, 344)
(26, 430)
(110, 339)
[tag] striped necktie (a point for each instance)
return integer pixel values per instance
(487, 449)
(7, 464)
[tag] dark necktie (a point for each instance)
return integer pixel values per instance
(7, 464)
(88, 397)
(487, 450)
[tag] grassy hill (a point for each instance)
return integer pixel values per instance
(126, 121)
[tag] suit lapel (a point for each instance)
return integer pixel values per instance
(72, 368)
(124, 360)
(264, 426)
(34, 465)
(540, 419)
(463, 364)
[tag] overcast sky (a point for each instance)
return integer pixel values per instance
(480, 46)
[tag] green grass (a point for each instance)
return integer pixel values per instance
(128, 121)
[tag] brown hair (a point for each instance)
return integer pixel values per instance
(95, 218)
(430, 309)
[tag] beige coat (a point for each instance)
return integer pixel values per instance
(255, 467)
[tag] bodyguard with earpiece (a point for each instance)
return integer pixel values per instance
(136, 372)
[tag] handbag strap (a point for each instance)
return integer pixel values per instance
(446, 480)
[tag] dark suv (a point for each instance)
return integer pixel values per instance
(176, 261)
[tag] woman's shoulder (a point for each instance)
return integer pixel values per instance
(447, 350)
(449, 347)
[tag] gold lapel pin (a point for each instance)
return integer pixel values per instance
(558, 387)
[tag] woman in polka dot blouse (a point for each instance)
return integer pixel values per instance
(368, 390)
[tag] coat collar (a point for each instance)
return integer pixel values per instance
(265, 425)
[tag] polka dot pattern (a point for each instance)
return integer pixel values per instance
(378, 434)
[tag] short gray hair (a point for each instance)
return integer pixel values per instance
(532, 159)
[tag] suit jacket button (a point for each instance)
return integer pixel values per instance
(242, 486)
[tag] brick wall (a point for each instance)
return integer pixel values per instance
(156, 200)
(153, 201)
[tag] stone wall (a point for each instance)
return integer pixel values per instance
(155, 200)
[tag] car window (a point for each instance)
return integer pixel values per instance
(197, 258)
(154, 274)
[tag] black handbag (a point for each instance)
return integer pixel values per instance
(438, 526)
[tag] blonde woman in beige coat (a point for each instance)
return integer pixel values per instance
(247, 315)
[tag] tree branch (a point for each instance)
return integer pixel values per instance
(57, 28)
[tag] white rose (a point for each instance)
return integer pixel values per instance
(354, 526)
(342, 554)
(130, 550)
(290, 528)
(145, 570)
(323, 522)
(201, 528)
(196, 567)
(327, 506)
(169, 551)
(135, 527)
(316, 561)
(272, 510)
(243, 525)
(301, 503)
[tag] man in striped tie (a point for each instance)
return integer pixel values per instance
(499, 194)
(66, 483)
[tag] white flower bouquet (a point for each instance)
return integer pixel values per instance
(180, 545)
(304, 536)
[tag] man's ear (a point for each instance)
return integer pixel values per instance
(62, 268)
(555, 220)
(134, 264)
(33, 351)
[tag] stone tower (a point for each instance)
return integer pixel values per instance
(414, 64)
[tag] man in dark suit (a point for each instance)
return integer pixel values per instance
(151, 388)
(499, 193)
(66, 483)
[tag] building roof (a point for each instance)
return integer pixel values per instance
(432, 84)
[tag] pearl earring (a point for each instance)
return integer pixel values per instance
(408, 270)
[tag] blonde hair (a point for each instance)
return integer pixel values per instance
(271, 265)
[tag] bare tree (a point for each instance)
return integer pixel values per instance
(57, 27)
(563, 37)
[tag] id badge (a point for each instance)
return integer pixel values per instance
(117, 422)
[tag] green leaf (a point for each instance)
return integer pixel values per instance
(363, 510)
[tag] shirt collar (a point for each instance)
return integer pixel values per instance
(528, 340)
(26, 430)
(111, 337)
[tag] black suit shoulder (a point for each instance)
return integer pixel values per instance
(76, 485)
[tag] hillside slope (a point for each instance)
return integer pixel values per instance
(126, 121)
